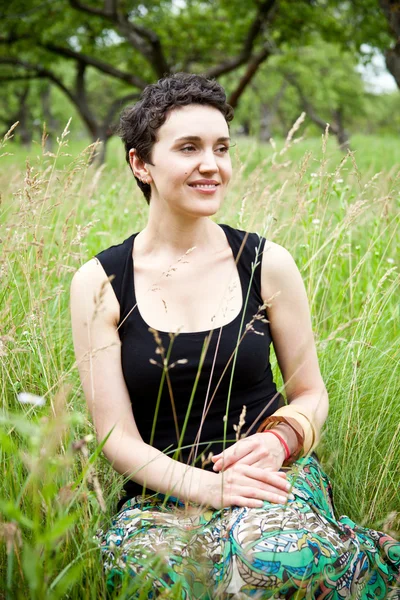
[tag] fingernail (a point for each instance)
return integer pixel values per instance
(291, 497)
(282, 500)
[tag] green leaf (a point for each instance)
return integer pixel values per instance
(70, 576)
(57, 529)
(11, 512)
(32, 567)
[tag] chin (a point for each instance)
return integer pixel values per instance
(205, 211)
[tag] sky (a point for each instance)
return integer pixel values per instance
(377, 78)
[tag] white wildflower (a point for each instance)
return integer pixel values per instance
(316, 221)
(27, 398)
(390, 260)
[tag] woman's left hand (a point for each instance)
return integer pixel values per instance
(261, 450)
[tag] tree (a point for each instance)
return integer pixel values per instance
(329, 88)
(370, 24)
(391, 10)
(121, 46)
(100, 55)
(320, 79)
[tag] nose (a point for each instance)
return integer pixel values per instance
(208, 162)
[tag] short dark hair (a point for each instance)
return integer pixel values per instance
(139, 123)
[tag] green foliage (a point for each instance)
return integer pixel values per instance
(329, 79)
(318, 42)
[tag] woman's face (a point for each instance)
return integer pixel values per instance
(191, 163)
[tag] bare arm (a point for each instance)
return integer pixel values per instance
(290, 326)
(95, 314)
(292, 335)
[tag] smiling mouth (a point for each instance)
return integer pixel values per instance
(202, 186)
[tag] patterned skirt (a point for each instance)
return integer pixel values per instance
(165, 549)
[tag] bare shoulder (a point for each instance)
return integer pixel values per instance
(276, 260)
(279, 271)
(91, 288)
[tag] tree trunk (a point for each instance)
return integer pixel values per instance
(392, 57)
(339, 130)
(337, 127)
(284, 123)
(25, 131)
(51, 122)
(101, 153)
(391, 10)
(266, 117)
(268, 112)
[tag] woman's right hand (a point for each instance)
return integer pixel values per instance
(245, 485)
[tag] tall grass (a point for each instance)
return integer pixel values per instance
(339, 218)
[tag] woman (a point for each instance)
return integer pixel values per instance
(172, 343)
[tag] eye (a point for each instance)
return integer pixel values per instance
(188, 148)
(223, 149)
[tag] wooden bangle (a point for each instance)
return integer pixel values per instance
(304, 423)
(310, 431)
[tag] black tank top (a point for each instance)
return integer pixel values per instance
(197, 394)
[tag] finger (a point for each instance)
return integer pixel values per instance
(236, 452)
(267, 495)
(270, 477)
(225, 462)
(243, 501)
(264, 464)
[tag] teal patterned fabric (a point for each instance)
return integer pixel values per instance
(299, 550)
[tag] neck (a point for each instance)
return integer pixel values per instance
(174, 234)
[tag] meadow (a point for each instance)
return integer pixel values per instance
(337, 214)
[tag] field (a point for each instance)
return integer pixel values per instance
(337, 214)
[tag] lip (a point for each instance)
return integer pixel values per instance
(204, 182)
(205, 192)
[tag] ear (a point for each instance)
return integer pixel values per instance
(139, 167)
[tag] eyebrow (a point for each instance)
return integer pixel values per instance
(196, 138)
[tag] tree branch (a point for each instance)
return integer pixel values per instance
(105, 14)
(307, 106)
(133, 33)
(40, 72)
(337, 128)
(96, 63)
(264, 15)
(152, 51)
(12, 38)
(117, 105)
(81, 99)
(251, 70)
(22, 78)
(78, 99)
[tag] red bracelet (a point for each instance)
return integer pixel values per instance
(282, 441)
